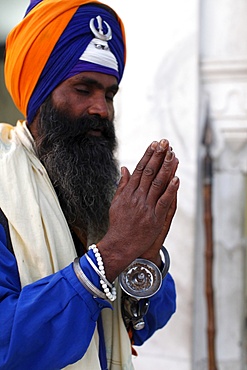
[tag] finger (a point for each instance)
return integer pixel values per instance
(167, 224)
(152, 168)
(169, 218)
(168, 168)
(154, 250)
(164, 203)
(125, 176)
(165, 175)
(141, 169)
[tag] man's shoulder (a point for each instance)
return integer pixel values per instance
(6, 130)
(8, 138)
(6, 127)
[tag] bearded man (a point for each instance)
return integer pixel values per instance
(76, 240)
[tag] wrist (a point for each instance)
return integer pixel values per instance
(161, 260)
(115, 259)
(156, 259)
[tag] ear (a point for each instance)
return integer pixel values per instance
(33, 126)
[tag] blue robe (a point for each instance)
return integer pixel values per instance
(49, 324)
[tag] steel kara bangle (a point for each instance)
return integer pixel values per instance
(166, 261)
(85, 281)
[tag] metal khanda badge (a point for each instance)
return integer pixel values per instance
(98, 50)
(99, 34)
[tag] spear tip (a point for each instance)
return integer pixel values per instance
(207, 138)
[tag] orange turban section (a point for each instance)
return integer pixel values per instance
(32, 41)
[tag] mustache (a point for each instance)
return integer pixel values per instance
(79, 128)
(82, 126)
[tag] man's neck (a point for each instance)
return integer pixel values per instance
(81, 237)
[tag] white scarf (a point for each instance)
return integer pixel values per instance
(41, 238)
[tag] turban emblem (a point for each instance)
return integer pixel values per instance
(100, 34)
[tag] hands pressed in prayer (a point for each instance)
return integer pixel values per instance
(142, 210)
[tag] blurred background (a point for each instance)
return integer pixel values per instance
(186, 71)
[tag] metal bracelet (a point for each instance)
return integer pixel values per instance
(166, 261)
(85, 281)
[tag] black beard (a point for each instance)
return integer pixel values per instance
(82, 167)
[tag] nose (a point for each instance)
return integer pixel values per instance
(98, 106)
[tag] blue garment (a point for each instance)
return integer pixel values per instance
(49, 324)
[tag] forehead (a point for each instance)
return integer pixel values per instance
(98, 79)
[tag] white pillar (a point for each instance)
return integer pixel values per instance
(223, 58)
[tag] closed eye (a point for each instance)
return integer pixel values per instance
(110, 97)
(110, 94)
(82, 91)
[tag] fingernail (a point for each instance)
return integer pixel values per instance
(154, 145)
(163, 144)
(175, 180)
(169, 156)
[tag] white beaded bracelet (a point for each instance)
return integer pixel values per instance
(111, 295)
(98, 271)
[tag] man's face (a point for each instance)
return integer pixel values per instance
(75, 140)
